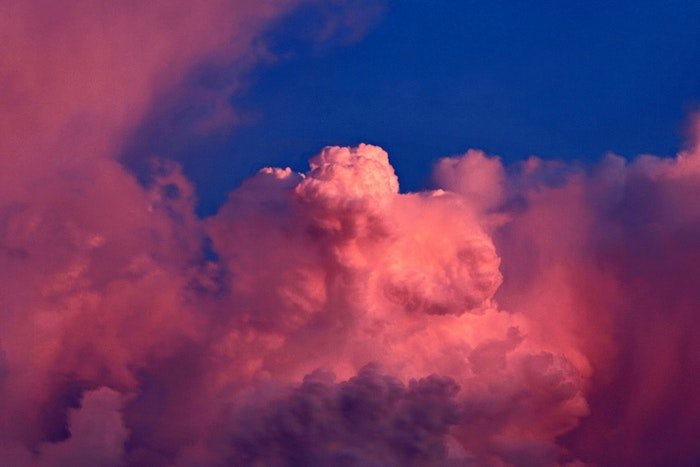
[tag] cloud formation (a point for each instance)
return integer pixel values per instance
(537, 314)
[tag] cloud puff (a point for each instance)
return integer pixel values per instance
(406, 280)
(371, 419)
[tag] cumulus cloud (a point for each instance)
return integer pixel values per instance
(545, 363)
(370, 419)
(531, 315)
(507, 343)
(601, 263)
(97, 432)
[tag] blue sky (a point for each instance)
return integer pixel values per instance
(558, 79)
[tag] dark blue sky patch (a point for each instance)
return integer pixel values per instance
(568, 80)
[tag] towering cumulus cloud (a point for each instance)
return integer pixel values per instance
(540, 314)
(603, 264)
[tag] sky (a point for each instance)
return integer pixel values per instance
(564, 80)
(349, 233)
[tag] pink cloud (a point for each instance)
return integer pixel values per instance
(538, 307)
(535, 316)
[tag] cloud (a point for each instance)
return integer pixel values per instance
(610, 253)
(336, 269)
(97, 431)
(353, 272)
(538, 314)
(371, 419)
